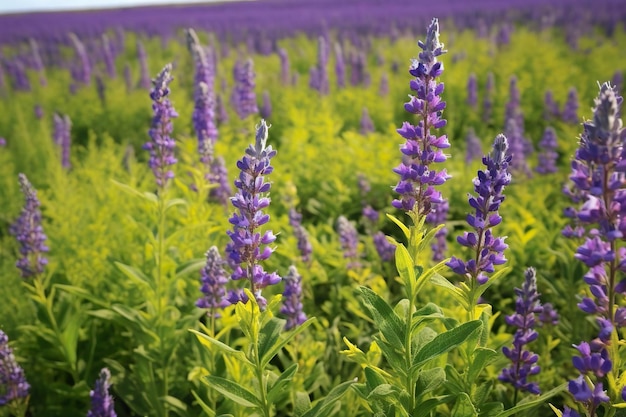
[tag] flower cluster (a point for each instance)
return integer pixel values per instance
(570, 110)
(473, 147)
(489, 186)
(548, 155)
(62, 137)
(422, 148)
(248, 246)
(292, 299)
(386, 250)
(367, 126)
(161, 145)
(244, 97)
(523, 362)
(304, 245)
(13, 384)
(102, 404)
(349, 239)
(214, 280)
(29, 233)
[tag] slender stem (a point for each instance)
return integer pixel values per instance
(410, 384)
(259, 371)
(160, 275)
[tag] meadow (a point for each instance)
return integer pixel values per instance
(205, 221)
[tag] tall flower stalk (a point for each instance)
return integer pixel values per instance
(102, 403)
(248, 246)
(14, 389)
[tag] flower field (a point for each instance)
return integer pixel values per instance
(280, 208)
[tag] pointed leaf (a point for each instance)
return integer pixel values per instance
(425, 407)
(323, 406)
(456, 292)
(406, 268)
(280, 387)
(389, 324)
(445, 342)
(401, 225)
(464, 407)
(482, 357)
(134, 274)
(269, 335)
(277, 347)
(233, 391)
(531, 402)
(210, 342)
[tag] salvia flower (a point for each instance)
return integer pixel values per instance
(517, 147)
(302, 236)
(340, 66)
(422, 147)
(472, 90)
(349, 240)
(548, 315)
(551, 109)
(570, 110)
(367, 126)
(386, 250)
(62, 137)
(591, 396)
(161, 144)
(473, 147)
(523, 361)
(102, 404)
(513, 110)
(322, 84)
(214, 280)
(244, 97)
(547, 155)
(29, 233)
(292, 299)
(13, 384)
(82, 71)
(489, 186)
(284, 66)
(248, 246)
(219, 176)
(109, 56)
(144, 73)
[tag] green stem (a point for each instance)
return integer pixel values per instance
(408, 351)
(160, 275)
(259, 372)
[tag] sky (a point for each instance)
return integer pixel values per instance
(22, 6)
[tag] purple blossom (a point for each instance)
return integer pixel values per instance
(38, 110)
(570, 110)
(340, 67)
(244, 97)
(284, 66)
(302, 236)
(517, 147)
(248, 246)
(358, 68)
(266, 107)
(292, 296)
(548, 154)
(513, 110)
(568, 412)
(383, 88)
(551, 109)
(386, 250)
(29, 233)
(144, 72)
(422, 148)
(322, 84)
(161, 145)
(220, 109)
(81, 72)
(473, 146)
(62, 137)
(102, 404)
(436, 217)
(489, 186)
(367, 126)
(219, 176)
(13, 384)
(548, 315)
(523, 361)
(214, 280)
(596, 362)
(371, 214)
(349, 240)
(109, 56)
(3, 142)
(590, 396)
(38, 63)
(472, 90)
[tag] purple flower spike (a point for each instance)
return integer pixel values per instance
(473, 147)
(244, 97)
(62, 137)
(523, 361)
(102, 404)
(161, 145)
(304, 245)
(248, 245)
(214, 281)
(489, 186)
(548, 155)
(219, 176)
(472, 90)
(29, 233)
(570, 111)
(551, 109)
(13, 384)
(349, 239)
(422, 148)
(386, 250)
(367, 126)
(292, 296)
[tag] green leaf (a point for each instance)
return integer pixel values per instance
(406, 268)
(482, 357)
(280, 387)
(464, 407)
(429, 380)
(389, 324)
(383, 392)
(425, 407)
(83, 293)
(190, 267)
(276, 347)
(269, 335)
(175, 404)
(373, 378)
(207, 410)
(456, 292)
(209, 342)
(302, 403)
(175, 202)
(323, 406)
(491, 409)
(395, 359)
(445, 342)
(531, 402)
(134, 274)
(233, 391)
(401, 225)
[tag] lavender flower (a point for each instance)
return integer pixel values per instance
(244, 98)
(81, 72)
(523, 362)
(551, 109)
(13, 384)
(29, 233)
(38, 63)
(220, 109)
(3, 142)
(386, 250)
(517, 146)
(38, 110)
(304, 245)
(248, 246)
(102, 404)
(161, 145)
(548, 155)
(591, 397)
(284, 66)
(473, 147)
(292, 296)
(489, 186)
(417, 180)
(358, 69)
(383, 88)
(472, 90)
(548, 315)
(214, 280)
(109, 56)
(219, 176)
(513, 109)
(436, 217)
(62, 137)
(266, 107)
(340, 67)
(367, 126)
(349, 240)
(142, 57)
(322, 62)
(570, 111)
(371, 214)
